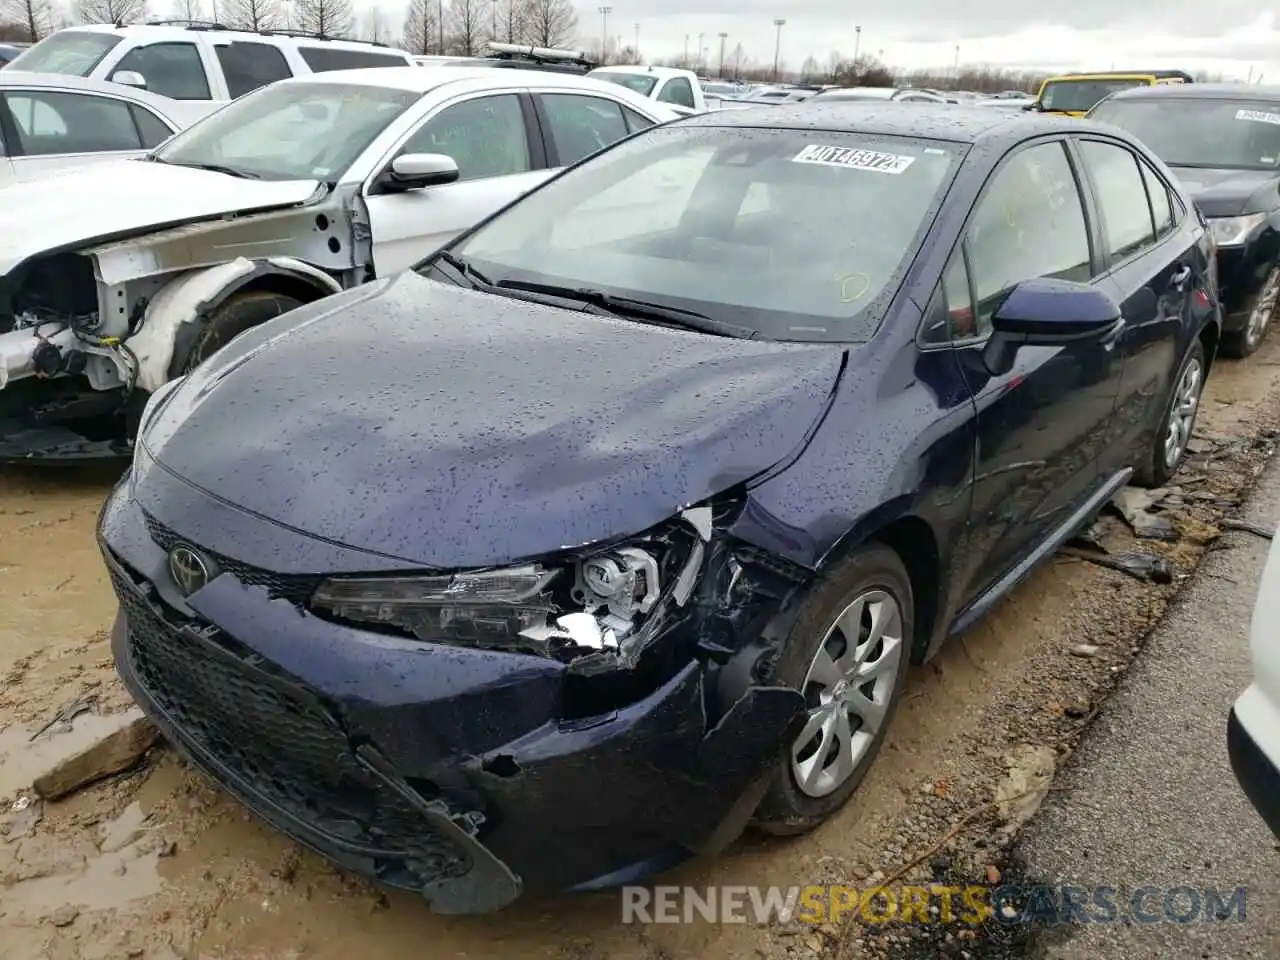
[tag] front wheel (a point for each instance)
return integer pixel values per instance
(848, 654)
(1239, 344)
(1170, 446)
(240, 313)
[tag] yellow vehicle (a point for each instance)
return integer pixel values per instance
(1076, 93)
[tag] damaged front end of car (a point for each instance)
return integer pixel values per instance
(573, 723)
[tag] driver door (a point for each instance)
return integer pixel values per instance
(488, 136)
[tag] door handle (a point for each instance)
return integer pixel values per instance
(1179, 279)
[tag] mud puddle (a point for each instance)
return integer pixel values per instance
(201, 878)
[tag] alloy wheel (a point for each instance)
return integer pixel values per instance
(1264, 308)
(1182, 414)
(849, 688)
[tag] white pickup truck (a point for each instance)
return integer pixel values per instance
(678, 89)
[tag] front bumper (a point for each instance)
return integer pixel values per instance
(1242, 271)
(442, 770)
(1257, 773)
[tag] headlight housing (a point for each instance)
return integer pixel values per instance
(611, 601)
(1234, 231)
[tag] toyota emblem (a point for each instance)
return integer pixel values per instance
(188, 569)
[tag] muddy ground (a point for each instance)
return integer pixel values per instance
(158, 863)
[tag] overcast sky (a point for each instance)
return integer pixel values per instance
(923, 33)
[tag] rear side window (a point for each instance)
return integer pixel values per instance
(1122, 197)
(1161, 207)
(320, 59)
(152, 129)
(582, 125)
(248, 66)
(170, 69)
(636, 121)
(51, 123)
(679, 91)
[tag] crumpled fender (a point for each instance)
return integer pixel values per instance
(191, 296)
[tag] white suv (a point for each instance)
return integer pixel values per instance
(189, 60)
(1253, 729)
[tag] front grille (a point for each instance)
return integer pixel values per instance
(280, 740)
(294, 587)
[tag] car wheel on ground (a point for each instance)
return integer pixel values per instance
(1174, 433)
(242, 312)
(1241, 343)
(848, 653)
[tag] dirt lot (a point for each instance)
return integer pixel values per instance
(158, 863)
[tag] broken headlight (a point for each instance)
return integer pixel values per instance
(607, 600)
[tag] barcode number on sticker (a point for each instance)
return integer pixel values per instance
(1259, 116)
(853, 159)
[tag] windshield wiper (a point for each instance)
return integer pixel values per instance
(633, 308)
(211, 167)
(469, 273)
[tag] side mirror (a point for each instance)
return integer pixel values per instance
(129, 78)
(413, 171)
(1047, 313)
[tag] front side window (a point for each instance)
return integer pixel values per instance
(290, 131)
(1122, 197)
(71, 53)
(799, 235)
(1185, 132)
(248, 66)
(50, 122)
(677, 90)
(1028, 223)
(641, 83)
(485, 136)
(582, 125)
(170, 69)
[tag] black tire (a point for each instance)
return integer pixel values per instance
(1239, 344)
(1155, 471)
(223, 324)
(785, 810)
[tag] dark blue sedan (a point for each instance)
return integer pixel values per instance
(613, 527)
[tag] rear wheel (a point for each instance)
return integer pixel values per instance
(1170, 446)
(1241, 343)
(848, 654)
(240, 313)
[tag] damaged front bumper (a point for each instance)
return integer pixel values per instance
(443, 770)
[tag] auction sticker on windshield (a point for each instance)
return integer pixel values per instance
(853, 159)
(1260, 116)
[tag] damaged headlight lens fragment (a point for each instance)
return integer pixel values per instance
(609, 600)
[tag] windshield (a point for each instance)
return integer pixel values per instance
(641, 83)
(793, 235)
(69, 52)
(1081, 95)
(1227, 134)
(290, 131)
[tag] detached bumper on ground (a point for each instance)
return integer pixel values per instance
(443, 770)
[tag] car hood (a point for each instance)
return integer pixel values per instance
(453, 429)
(1226, 193)
(105, 200)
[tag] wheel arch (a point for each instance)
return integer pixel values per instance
(175, 316)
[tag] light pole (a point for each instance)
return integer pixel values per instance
(604, 32)
(857, 42)
(698, 66)
(777, 46)
(440, 17)
(684, 60)
(955, 66)
(636, 47)
(723, 38)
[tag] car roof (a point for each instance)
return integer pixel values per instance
(423, 79)
(932, 121)
(638, 68)
(184, 32)
(1202, 91)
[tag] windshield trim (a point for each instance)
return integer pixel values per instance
(859, 327)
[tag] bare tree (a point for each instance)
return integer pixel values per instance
(421, 28)
(374, 26)
(465, 24)
(189, 9)
(325, 18)
(33, 17)
(550, 23)
(110, 11)
(252, 14)
(513, 16)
